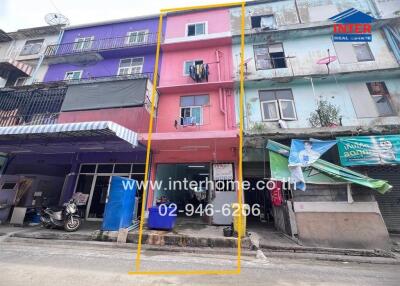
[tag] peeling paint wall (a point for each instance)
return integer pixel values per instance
(292, 12)
(303, 48)
(388, 8)
(337, 93)
(303, 54)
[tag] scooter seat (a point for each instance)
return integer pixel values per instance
(56, 209)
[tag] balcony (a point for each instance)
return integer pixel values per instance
(98, 49)
(31, 105)
(148, 75)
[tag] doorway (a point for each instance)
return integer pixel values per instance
(94, 180)
(98, 197)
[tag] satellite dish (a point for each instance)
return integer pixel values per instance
(54, 19)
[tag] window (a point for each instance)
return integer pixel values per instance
(188, 64)
(363, 52)
(73, 75)
(265, 22)
(269, 56)
(192, 109)
(32, 47)
(196, 29)
(381, 97)
(82, 44)
(137, 37)
(20, 81)
(130, 66)
(277, 104)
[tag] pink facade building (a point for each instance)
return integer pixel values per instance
(195, 126)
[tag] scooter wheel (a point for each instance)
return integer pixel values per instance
(72, 224)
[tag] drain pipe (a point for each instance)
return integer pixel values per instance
(222, 92)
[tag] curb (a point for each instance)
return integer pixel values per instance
(180, 243)
(212, 251)
(161, 239)
(330, 251)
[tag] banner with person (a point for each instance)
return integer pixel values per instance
(303, 153)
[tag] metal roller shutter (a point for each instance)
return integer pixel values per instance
(389, 203)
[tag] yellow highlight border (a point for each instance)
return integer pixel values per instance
(148, 148)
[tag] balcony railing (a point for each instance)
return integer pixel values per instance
(105, 44)
(31, 106)
(148, 75)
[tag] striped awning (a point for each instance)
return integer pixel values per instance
(56, 138)
(74, 129)
(10, 65)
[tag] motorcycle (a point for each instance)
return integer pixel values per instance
(66, 217)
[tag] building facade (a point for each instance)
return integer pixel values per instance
(97, 93)
(292, 67)
(21, 55)
(75, 111)
(195, 130)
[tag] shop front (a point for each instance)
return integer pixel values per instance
(379, 157)
(336, 206)
(48, 164)
(195, 174)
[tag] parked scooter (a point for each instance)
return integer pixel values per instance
(66, 217)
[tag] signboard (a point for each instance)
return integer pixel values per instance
(305, 152)
(223, 171)
(369, 150)
(352, 26)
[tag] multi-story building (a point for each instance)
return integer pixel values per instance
(292, 66)
(195, 135)
(21, 54)
(85, 114)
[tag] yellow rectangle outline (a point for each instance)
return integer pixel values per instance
(150, 130)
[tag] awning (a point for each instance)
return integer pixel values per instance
(67, 137)
(321, 170)
(18, 67)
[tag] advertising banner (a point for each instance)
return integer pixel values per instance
(303, 153)
(369, 150)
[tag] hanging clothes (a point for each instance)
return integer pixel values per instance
(199, 72)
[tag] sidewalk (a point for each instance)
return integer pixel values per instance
(201, 237)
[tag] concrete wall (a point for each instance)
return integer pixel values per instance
(217, 22)
(342, 230)
(133, 118)
(107, 67)
(388, 8)
(213, 118)
(110, 30)
(12, 50)
(172, 68)
(285, 12)
(304, 53)
(338, 93)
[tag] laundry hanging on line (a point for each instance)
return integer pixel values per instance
(199, 72)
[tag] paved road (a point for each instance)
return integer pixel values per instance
(24, 262)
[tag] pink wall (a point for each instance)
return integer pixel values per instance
(218, 22)
(172, 69)
(134, 118)
(213, 118)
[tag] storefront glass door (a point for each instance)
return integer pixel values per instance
(95, 179)
(98, 197)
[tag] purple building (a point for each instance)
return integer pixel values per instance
(81, 125)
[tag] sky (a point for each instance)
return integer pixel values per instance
(19, 14)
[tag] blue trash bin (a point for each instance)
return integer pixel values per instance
(162, 217)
